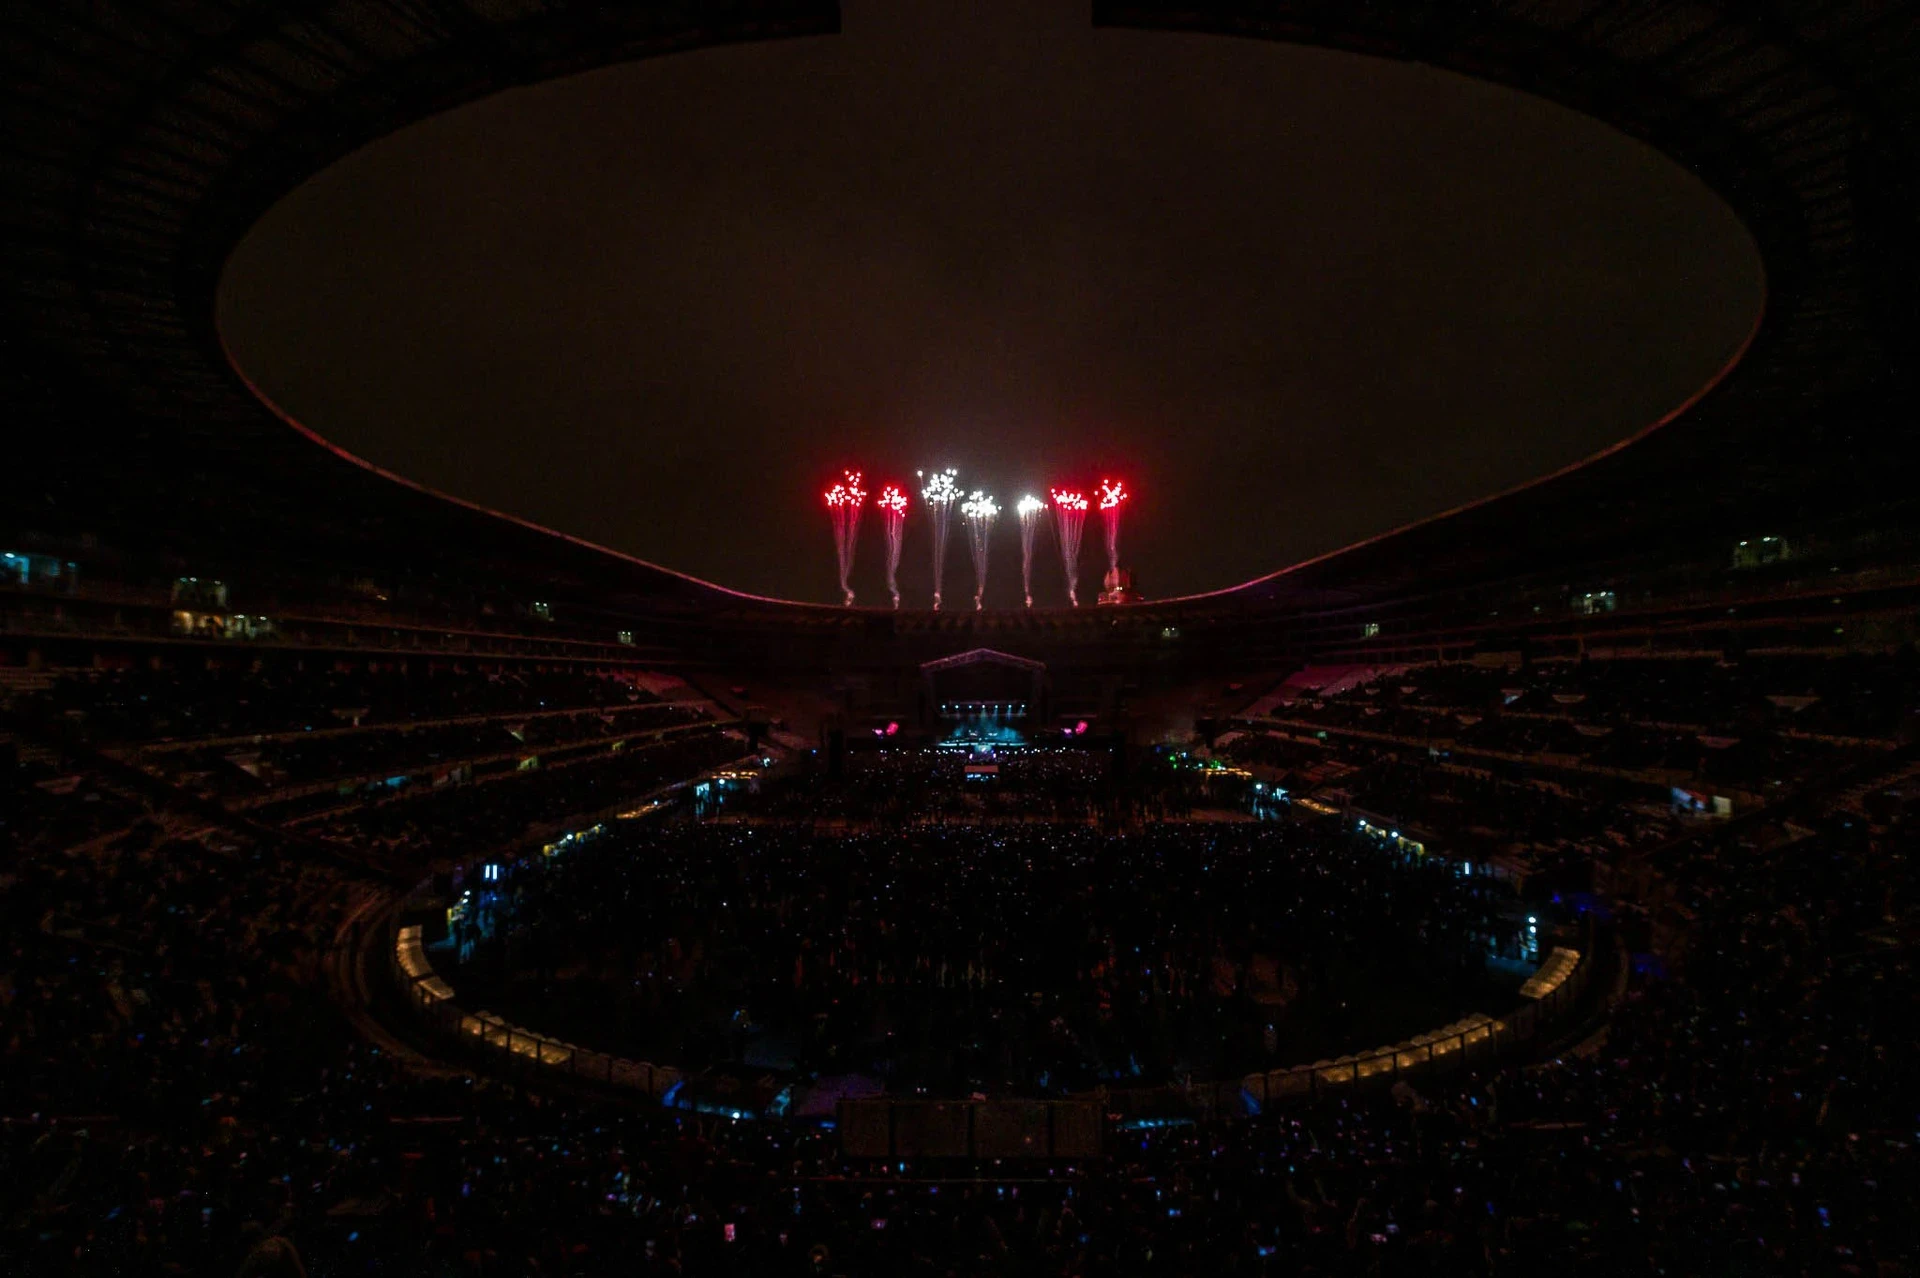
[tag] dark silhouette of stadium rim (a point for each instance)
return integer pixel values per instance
(173, 138)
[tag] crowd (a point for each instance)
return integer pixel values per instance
(1707, 722)
(957, 959)
(1850, 694)
(1696, 758)
(257, 769)
(290, 694)
(46, 805)
(182, 1097)
(902, 786)
(898, 786)
(1538, 765)
(500, 809)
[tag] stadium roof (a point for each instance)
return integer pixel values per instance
(144, 137)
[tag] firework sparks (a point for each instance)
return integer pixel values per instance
(1112, 494)
(1030, 509)
(893, 515)
(844, 503)
(979, 510)
(941, 491)
(1070, 516)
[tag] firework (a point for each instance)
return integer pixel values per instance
(844, 502)
(979, 510)
(1070, 515)
(893, 515)
(1112, 494)
(1030, 509)
(942, 490)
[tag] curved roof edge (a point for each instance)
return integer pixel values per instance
(1333, 556)
(144, 140)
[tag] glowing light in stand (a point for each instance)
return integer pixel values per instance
(1070, 516)
(1030, 509)
(1112, 493)
(845, 500)
(941, 491)
(979, 510)
(893, 516)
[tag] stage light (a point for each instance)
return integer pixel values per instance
(893, 728)
(1080, 728)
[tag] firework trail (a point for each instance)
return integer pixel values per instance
(942, 490)
(893, 514)
(979, 511)
(1070, 515)
(1112, 493)
(844, 502)
(1030, 509)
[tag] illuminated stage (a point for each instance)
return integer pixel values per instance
(985, 723)
(985, 696)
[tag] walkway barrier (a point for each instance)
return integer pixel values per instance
(1474, 1040)
(511, 1045)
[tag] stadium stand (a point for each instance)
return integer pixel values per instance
(221, 643)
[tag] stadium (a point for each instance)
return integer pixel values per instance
(397, 885)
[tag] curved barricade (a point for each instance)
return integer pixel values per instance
(512, 1045)
(1472, 1040)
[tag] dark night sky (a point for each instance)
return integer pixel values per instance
(1295, 297)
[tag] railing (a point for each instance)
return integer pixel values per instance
(319, 634)
(352, 787)
(1477, 1039)
(140, 750)
(511, 1045)
(1554, 987)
